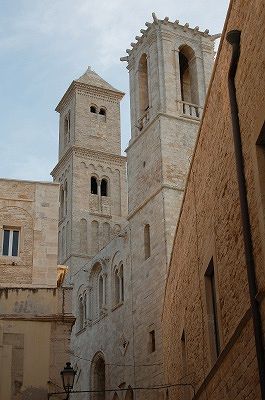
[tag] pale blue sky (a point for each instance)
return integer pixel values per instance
(45, 44)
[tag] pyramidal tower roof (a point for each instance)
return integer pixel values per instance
(91, 78)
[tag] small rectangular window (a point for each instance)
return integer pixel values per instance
(10, 245)
(152, 341)
(211, 301)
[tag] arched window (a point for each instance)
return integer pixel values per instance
(93, 109)
(67, 128)
(100, 292)
(147, 250)
(98, 378)
(102, 111)
(97, 292)
(104, 187)
(143, 85)
(61, 202)
(118, 285)
(188, 75)
(80, 313)
(121, 283)
(94, 185)
(65, 197)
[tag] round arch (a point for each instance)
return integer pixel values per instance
(98, 376)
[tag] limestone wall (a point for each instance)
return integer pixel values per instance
(35, 326)
(210, 228)
(32, 209)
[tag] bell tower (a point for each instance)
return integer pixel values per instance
(91, 170)
(170, 68)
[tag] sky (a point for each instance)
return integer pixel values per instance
(46, 44)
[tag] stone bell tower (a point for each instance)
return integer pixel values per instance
(169, 67)
(91, 170)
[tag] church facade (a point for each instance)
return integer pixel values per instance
(118, 215)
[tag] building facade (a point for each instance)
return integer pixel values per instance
(35, 315)
(207, 321)
(118, 256)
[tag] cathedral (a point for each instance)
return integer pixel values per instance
(118, 214)
(145, 272)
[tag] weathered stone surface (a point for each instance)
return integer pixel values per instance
(210, 227)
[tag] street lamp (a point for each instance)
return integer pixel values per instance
(68, 377)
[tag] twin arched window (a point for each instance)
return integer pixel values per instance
(99, 186)
(92, 302)
(100, 111)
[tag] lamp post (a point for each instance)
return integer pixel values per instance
(68, 377)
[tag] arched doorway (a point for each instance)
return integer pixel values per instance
(98, 377)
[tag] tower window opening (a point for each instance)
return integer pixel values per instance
(188, 75)
(143, 85)
(104, 187)
(67, 128)
(94, 185)
(93, 109)
(102, 111)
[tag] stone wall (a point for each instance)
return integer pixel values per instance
(32, 209)
(210, 228)
(35, 326)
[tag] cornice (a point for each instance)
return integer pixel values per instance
(90, 89)
(69, 318)
(158, 115)
(152, 195)
(91, 154)
(167, 30)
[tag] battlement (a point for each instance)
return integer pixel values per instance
(159, 25)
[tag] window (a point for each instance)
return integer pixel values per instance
(147, 250)
(94, 185)
(143, 85)
(212, 311)
(102, 114)
(188, 81)
(118, 285)
(63, 200)
(10, 246)
(100, 292)
(93, 109)
(67, 128)
(152, 341)
(81, 313)
(104, 187)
